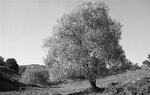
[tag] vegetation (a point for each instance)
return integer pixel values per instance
(11, 63)
(9, 74)
(35, 75)
(114, 85)
(85, 44)
(2, 62)
(139, 87)
(147, 62)
(9, 79)
(87, 37)
(22, 69)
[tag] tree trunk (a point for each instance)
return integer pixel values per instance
(91, 73)
(93, 84)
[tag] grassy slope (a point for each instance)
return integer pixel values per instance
(82, 85)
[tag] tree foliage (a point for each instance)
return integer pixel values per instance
(88, 37)
(11, 63)
(147, 62)
(2, 62)
(148, 57)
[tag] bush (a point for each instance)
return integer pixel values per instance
(139, 87)
(35, 75)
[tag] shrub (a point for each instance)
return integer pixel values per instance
(35, 75)
(139, 87)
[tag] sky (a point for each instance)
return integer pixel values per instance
(24, 24)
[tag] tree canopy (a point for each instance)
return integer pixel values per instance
(88, 36)
(147, 62)
(2, 62)
(11, 63)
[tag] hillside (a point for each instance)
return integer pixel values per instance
(81, 87)
(8, 79)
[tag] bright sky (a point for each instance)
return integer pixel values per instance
(24, 24)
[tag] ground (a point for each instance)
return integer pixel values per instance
(80, 87)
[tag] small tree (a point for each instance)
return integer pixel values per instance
(146, 62)
(148, 57)
(87, 37)
(2, 62)
(11, 63)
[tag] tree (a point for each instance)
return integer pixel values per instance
(11, 63)
(148, 57)
(2, 62)
(117, 59)
(146, 62)
(87, 37)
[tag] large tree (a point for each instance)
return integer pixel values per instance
(88, 37)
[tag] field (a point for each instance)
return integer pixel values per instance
(81, 87)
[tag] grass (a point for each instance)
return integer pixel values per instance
(82, 87)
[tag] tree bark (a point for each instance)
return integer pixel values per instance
(93, 84)
(91, 73)
(92, 78)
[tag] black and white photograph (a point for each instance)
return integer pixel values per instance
(74, 47)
